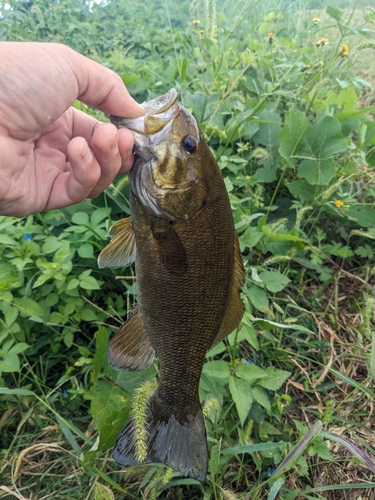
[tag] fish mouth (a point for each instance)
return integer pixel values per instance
(159, 112)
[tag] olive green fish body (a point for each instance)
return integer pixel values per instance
(183, 303)
(188, 271)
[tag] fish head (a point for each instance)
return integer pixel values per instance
(167, 175)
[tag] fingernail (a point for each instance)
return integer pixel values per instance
(87, 155)
(114, 148)
(129, 153)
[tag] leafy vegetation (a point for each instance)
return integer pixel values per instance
(283, 102)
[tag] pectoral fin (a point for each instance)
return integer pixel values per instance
(235, 308)
(130, 348)
(121, 250)
(170, 247)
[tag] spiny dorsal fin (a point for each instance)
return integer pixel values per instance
(121, 250)
(235, 308)
(130, 348)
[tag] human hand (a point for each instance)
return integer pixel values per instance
(51, 154)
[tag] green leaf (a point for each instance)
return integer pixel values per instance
(250, 237)
(281, 236)
(302, 190)
(16, 392)
(214, 459)
(51, 245)
(319, 447)
(261, 397)
(242, 396)
(29, 307)
(110, 407)
(68, 338)
(365, 252)
(10, 363)
(364, 215)
(275, 488)
(7, 240)
(258, 297)
(88, 314)
(249, 372)
(269, 129)
(101, 353)
(294, 130)
(99, 215)
(42, 278)
(86, 251)
(252, 448)
(73, 283)
(217, 369)
(102, 492)
(80, 218)
(66, 428)
(266, 429)
(88, 282)
(274, 379)
(323, 141)
(184, 67)
(130, 78)
(267, 324)
(18, 348)
(274, 281)
(334, 13)
(11, 315)
(317, 172)
(248, 332)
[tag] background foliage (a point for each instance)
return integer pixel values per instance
(290, 120)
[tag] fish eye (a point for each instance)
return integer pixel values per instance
(190, 144)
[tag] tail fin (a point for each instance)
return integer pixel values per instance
(182, 445)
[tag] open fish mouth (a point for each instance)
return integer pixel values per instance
(150, 129)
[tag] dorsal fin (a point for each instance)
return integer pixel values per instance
(130, 348)
(121, 250)
(235, 308)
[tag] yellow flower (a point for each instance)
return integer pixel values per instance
(344, 49)
(316, 20)
(339, 203)
(322, 41)
(196, 21)
(270, 38)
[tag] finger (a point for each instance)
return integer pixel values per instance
(125, 144)
(105, 146)
(100, 87)
(83, 125)
(86, 126)
(82, 175)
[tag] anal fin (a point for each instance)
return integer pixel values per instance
(130, 348)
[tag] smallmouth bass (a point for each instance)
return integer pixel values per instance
(188, 270)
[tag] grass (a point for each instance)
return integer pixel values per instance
(309, 325)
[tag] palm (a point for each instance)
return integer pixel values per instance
(52, 155)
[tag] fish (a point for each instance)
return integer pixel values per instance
(189, 272)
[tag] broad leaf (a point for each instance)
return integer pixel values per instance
(242, 396)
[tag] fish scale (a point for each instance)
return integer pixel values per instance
(188, 270)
